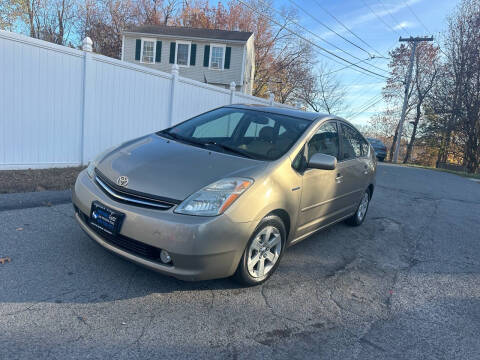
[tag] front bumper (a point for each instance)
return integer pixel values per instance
(201, 247)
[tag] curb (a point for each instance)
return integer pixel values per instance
(29, 200)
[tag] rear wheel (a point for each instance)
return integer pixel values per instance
(380, 158)
(359, 216)
(263, 252)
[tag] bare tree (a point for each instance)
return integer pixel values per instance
(156, 12)
(324, 92)
(426, 70)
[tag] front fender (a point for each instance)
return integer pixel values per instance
(280, 188)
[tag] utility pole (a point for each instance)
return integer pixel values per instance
(415, 41)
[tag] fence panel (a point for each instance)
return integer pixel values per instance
(123, 103)
(191, 100)
(41, 95)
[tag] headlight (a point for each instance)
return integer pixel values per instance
(93, 164)
(215, 198)
(91, 168)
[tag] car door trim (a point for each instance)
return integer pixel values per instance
(330, 200)
(303, 236)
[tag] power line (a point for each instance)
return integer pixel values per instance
(346, 67)
(364, 109)
(347, 28)
(380, 18)
(319, 37)
(329, 28)
(416, 17)
(311, 42)
(391, 15)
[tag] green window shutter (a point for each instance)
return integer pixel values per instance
(158, 54)
(206, 55)
(138, 47)
(172, 52)
(228, 55)
(193, 54)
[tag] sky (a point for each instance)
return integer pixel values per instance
(379, 23)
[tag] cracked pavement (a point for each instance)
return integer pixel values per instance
(406, 284)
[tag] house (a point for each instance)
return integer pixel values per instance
(212, 56)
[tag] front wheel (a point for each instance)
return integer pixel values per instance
(359, 216)
(263, 252)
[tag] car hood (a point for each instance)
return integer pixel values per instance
(167, 168)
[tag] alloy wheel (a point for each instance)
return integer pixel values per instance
(362, 209)
(264, 251)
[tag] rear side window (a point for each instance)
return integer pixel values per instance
(354, 145)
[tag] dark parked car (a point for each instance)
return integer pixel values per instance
(379, 147)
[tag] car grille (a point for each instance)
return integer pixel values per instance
(125, 243)
(132, 197)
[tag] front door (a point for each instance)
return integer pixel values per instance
(321, 202)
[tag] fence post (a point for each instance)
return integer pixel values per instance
(172, 94)
(86, 108)
(271, 99)
(232, 92)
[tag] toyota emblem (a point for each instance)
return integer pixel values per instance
(122, 181)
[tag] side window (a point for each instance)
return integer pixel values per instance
(325, 141)
(365, 147)
(218, 128)
(353, 144)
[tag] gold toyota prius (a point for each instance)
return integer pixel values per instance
(226, 192)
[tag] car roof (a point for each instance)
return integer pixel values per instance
(306, 115)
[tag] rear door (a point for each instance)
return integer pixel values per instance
(354, 165)
(321, 202)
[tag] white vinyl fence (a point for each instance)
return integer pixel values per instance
(61, 106)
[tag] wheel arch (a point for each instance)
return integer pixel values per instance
(371, 187)
(283, 215)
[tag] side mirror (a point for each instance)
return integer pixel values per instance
(322, 162)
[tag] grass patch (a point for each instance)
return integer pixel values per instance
(459, 173)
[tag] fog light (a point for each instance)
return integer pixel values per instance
(165, 257)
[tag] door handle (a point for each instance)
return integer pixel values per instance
(339, 179)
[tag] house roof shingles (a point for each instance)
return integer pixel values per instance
(191, 32)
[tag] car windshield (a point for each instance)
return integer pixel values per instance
(253, 134)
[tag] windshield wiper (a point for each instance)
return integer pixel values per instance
(174, 136)
(230, 149)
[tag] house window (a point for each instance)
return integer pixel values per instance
(148, 51)
(182, 53)
(217, 57)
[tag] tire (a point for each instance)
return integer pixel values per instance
(268, 255)
(358, 218)
(381, 159)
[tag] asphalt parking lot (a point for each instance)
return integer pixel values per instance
(406, 284)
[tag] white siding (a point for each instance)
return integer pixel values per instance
(195, 72)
